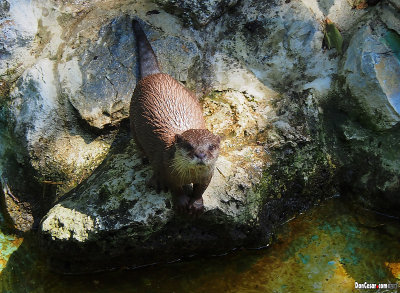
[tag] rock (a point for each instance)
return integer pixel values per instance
(38, 137)
(20, 212)
(99, 79)
(340, 12)
(34, 103)
(198, 13)
(18, 27)
(389, 14)
(372, 72)
(369, 166)
(364, 113)
(39, 117)
(288, 56)
(4, 8)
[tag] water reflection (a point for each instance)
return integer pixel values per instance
(326, 250)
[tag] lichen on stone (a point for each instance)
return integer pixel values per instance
(69, 224)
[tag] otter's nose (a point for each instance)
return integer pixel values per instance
(200, 156)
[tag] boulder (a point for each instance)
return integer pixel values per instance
(372, 72)
(364, 111)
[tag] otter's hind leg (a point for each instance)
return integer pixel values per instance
(181, 197)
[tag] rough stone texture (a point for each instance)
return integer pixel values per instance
(293, 130)
(364, 112)
(280, 45)
(372, 72)
(38, 121)
(58, 119)
(99, 81)
(368, 162)
(18, 26)
(20, 213)
(198, 13)
(341, 12)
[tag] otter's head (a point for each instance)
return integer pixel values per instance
(196, 149)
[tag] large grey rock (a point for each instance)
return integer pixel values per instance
(115, 198)
(38, 133)
(99, 80)
(34, 103)
(39, 118)
(372, 72)
(340, 12)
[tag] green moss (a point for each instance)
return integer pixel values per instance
(307, 172)
(6, 81)
(4, 92)
(252, 208)
(343, 101)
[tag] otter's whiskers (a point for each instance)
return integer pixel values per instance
(187, 169)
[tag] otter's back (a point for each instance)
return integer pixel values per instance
(160, 108)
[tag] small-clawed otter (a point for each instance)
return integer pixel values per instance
(167, 124)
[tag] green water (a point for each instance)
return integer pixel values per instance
(327, 249)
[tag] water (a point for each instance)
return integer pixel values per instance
(327, 249)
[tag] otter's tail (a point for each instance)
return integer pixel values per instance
(148, 63)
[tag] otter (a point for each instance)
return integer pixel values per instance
(168, 126)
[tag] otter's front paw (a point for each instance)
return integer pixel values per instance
(181, 203)
(196, 207)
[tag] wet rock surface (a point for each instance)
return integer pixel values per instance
(296, 120)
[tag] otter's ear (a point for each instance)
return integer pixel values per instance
(218, 138)
(178, 138)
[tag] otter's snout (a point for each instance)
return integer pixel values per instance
(200, 156)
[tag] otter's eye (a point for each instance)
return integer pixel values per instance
(187, 146)
(212, 147)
